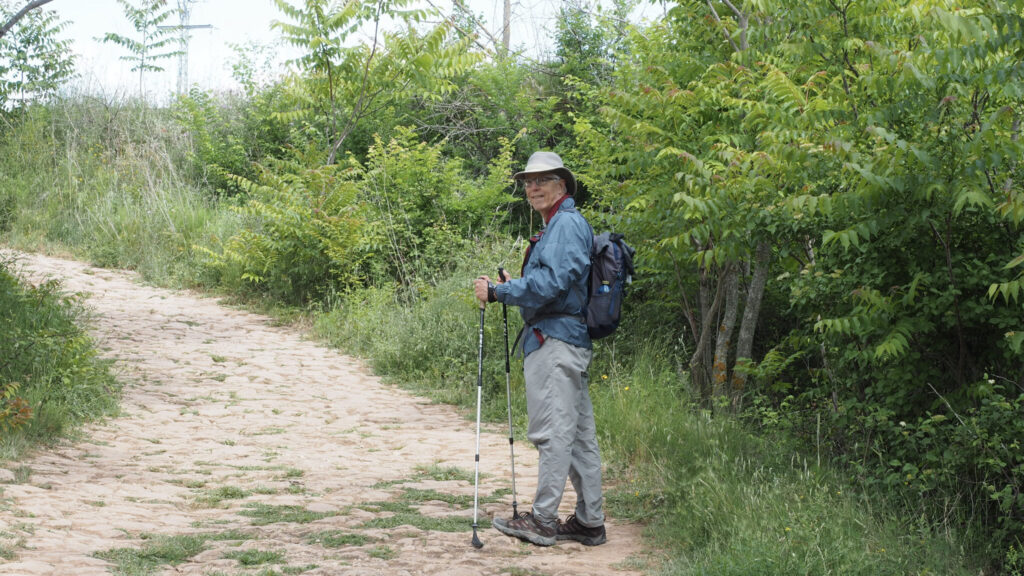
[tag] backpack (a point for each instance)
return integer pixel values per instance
(611, 270)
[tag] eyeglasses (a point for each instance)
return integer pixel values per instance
(540, 180)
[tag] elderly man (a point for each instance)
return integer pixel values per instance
(552, 296)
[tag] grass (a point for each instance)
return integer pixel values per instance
(22, 474)
(403, 512)
(254, 557)
(731, 503)
(263, 514)
(434, 472)
(156, 552)
(337, 539)
(444, 473)
(218, 495)
(410, 517)
(382, 553)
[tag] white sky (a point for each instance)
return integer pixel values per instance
(235, 22)
(99, 64)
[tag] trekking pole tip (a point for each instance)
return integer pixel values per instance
(476, 539)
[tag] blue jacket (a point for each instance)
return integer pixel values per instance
(552, 292)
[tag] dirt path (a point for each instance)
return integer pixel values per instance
(276, 455)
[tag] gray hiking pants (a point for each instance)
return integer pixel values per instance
(562, 428)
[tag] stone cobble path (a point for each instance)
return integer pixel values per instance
(252, 439)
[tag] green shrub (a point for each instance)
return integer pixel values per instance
(404, 217)
(231, 133)
(297, 235)
(51, 376)
(423, 209)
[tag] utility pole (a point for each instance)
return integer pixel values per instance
(184, 17)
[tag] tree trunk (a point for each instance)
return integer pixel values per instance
(710, 303)
(751, 311)
(723, 338)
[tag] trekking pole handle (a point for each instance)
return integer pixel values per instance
(503, 276)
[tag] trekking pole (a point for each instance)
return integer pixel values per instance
(479, 395)
(508, 401)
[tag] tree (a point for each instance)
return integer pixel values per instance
(153, 41)
(13, 19)
(871, 150)
(343, 85)
(34, 60)
(700, 181)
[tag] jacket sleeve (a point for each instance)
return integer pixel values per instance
(561, 261)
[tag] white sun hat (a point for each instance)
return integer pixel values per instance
(541, 162)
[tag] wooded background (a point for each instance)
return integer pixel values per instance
(826, 198)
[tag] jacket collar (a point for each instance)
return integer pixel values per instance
(554, 209)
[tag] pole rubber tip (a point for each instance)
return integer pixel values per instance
(476, 540)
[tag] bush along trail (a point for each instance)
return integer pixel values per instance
(243, 448)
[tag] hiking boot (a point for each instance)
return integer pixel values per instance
(526, 528)
(571, 529)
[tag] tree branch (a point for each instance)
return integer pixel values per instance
(945, 242)
(714, 14)
(687, 309)
(744, 23)
(479, 25)
(21, 13)
(357, 110)
(469, 33)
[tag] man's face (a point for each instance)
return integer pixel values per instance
(543, 190)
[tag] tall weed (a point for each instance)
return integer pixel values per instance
(426, 338)
(729, 503)
(102, 180)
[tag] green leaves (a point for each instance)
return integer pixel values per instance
(401, 217)
(778, 86)
(1009, 291)
(851, 236)
(343, 84)
(49, 366)
(298, 236)
(34, 60)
